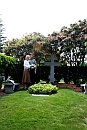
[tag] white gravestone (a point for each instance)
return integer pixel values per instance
(52, 63)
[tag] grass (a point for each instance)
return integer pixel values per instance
(66, 110)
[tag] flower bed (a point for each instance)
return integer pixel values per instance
(71, 86)
(42, 89)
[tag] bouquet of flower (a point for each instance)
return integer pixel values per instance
(32, 66)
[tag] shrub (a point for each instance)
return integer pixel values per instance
(7, 64)
(1, 81)
(42, 89)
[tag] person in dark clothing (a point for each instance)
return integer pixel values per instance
(33, 68)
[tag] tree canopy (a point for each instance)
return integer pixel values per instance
(69, 44)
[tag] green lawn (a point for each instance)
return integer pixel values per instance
(66, 110)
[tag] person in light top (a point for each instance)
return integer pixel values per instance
(26, 73)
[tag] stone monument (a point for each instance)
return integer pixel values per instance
(52, 63)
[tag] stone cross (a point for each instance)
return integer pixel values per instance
(52, 63)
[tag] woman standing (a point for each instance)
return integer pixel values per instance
(26, 73)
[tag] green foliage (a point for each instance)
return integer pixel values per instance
(29, 43)
(43, 89)
(61, 43)
(85, 64)
(73, 38)
(7, 60)
(7, 64)
(1, 81)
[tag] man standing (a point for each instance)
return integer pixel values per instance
(33, 68)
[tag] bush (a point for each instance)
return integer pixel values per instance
(42, 89)
(7, 64)
(1, 81)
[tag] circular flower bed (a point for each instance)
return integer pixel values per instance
(42, 89)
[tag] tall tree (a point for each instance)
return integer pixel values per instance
(2, 38)
(71, 43)
(29, 43)
(68, 44)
